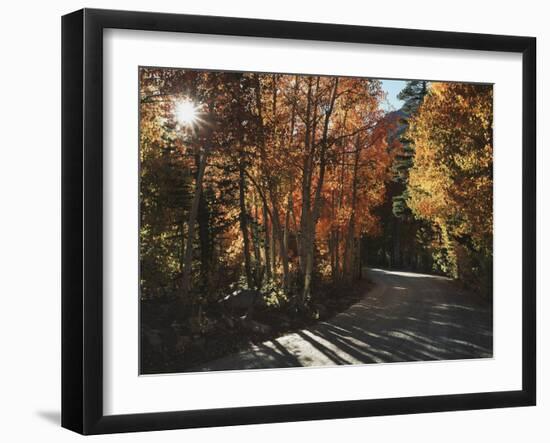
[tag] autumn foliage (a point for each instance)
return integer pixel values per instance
(274, 182)
(450, 184)
(283, 184)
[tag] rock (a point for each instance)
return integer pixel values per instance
(255, 326)
(243, 299)
(321, 310)
(263, 329)
(283, 321)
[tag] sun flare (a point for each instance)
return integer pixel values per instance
(186, 112)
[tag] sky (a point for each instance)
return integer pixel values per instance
(392, 88)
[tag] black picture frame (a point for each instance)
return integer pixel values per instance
(82, 215)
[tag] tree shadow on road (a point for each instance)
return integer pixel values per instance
(419, 318)
(445, 326)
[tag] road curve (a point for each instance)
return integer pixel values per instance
(405, 317)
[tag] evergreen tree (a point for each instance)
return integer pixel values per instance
(412, 94)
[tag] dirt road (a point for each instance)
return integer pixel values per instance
(405, 317)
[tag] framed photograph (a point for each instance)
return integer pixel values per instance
(270, 221)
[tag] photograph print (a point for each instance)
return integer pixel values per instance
(291, 220)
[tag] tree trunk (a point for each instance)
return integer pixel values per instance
(284, 246)
(396, 249)
(188, 254)
(243, 219)
(274, 234)
(349, 255)
(205, 238)
(256, 240)
(314, 212)
(306, 185)
(268, 243)
(337, 255)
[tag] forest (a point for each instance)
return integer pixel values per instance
(265, 199)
